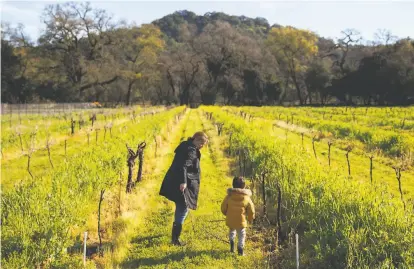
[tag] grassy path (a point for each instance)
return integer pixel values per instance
(137, 205)
(204, 230)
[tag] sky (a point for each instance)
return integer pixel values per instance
(327, 18)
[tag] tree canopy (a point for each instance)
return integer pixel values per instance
(85, 55)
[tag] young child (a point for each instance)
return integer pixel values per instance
(235, 207)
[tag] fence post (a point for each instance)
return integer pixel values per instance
(297, 251)
(264, 194)
(84, 248)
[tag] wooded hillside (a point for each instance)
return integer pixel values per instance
(85, 55)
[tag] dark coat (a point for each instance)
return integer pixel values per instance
(185, 168)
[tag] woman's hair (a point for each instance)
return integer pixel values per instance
(200, 138)
(238, 182)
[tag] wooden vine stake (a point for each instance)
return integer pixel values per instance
(403, 123)
(313, 146)
(140, 152)
(131, 163)
(65, 148)
(29, 156)
(110, 125)
(264, 194)
(134, 116)
(279, 213)
(101, 198)
(219, 127)
(96, 135)
(30, 150)
(48, 144)
(156, 146)
(329, 152)
(230, 137)
(245, 161)
(19, 133)
(348, 150)
(398, 175)
(93, 118)
(72, 126)
(242, 161)
(253, 186)
(303, 145)
(353, 116)
(371, 167)
(81, 122)
(239, 153)
(120, 194)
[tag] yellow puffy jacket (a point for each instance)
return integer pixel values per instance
(236, 206)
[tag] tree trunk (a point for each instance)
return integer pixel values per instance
(297, 88)
(184, 98)
(283, 94)
(129, 93)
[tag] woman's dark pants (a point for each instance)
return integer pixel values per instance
(181, 211)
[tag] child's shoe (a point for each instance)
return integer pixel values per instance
(240, 251)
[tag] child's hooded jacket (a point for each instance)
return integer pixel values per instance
(236, 206)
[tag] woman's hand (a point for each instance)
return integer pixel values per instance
(182, 187)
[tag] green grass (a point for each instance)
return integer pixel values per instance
(44, 216)
(368, 133)
(204, 230)
(383, 173)
(341, 222)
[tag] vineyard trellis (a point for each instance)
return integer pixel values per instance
(263, 154)
(299, 195)
(85, 173)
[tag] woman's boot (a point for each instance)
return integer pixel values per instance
(176, 232)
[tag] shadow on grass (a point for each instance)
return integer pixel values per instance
(174, 257)
(147, 240)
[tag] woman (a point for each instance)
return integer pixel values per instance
(182, 181)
